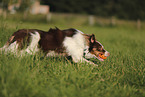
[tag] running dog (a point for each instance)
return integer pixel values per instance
(68, 42)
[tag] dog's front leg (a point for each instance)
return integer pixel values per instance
(82, 60)
(85, 60)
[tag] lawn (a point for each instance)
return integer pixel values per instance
(120, 75)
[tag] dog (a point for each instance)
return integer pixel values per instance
(55, 42)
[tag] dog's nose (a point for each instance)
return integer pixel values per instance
(107, 54)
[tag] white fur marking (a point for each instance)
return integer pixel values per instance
(106, 54)
(52, 54)
(33, 47)
(75, 46)
(87, 54)
(12, 48)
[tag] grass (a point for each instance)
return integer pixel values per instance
(120, 75)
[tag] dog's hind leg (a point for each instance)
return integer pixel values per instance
(8, 43)
(33, 47)
(13, 47)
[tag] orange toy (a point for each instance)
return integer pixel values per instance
(102, 56)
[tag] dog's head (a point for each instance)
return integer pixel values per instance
(95, 49)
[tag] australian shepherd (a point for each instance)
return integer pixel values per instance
(68, 42)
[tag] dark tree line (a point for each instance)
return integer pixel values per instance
(126, 9)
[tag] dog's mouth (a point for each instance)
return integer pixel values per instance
(102, 57)
(99, 58)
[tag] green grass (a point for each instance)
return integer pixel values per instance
(120, 75)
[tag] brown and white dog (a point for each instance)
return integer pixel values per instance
(68, 42)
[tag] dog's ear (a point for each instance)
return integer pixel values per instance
(92, 38)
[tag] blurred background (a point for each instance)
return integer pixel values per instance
(76, 12)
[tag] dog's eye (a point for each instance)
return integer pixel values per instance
(100, 49)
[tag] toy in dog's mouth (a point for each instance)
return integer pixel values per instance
(101, 57)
